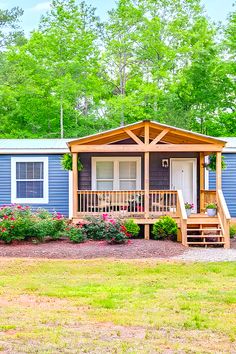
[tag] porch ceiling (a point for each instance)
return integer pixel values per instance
(158, 134)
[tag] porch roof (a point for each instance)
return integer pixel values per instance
(158, 134)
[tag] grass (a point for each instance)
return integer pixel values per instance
(105, 306)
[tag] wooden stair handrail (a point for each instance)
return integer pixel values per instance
(223, 216)
(221, 200)
(183, 213)
(183, 217)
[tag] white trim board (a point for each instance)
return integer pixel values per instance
(45, 198)
(194, 161)
(33, 151)
(116, 160)
(70, 181)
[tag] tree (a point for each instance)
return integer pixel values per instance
(9, 27)
(227, 116)
(149, 48)
(56, 80)
(119, 62)
(162, 60)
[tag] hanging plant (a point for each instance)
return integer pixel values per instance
(211, 165)
(66, 163)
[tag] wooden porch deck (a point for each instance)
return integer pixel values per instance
(146, 207)
(151, 137)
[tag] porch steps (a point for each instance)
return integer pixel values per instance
(204, 231)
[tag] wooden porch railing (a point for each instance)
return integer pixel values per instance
(162, 202)
(115, 202)
(127, 203)
(224, 217)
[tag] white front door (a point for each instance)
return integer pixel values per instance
(183, 176)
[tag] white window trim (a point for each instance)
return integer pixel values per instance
(116, 160)
(43, 200)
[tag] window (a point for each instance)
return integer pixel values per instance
(29, 180)
(104, 175)
(116, 173)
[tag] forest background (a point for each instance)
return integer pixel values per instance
(76, 74)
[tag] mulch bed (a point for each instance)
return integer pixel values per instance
(63, 249)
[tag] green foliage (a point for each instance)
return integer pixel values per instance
(76, 234)
(212, 163)
(165, 227)
(21, 223)
(66, 162)
(9, 26)
(159, 60)
(189, 205)
(95, 228)
(232, 231)
(116, 232)
(211, 206)
(105, 228)
(132, 228)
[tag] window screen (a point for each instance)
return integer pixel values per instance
(105, 175)
(127, 175)
(29, 179)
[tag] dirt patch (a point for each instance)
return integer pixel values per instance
(63, 249)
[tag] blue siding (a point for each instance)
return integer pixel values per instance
(58, 184)
(228, 182)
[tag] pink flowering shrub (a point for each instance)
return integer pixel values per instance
(21, 223)
(95, 228)
(106, 228)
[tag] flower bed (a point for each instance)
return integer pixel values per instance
(21, 223)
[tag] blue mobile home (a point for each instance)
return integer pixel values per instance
(31, 173)
(228, 176)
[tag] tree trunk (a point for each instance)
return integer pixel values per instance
(61, 120)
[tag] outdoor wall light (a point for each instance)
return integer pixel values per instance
(165, 163)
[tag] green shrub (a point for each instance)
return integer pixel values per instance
(132, 228)
(165, 227)
(95, 228)
(116, 232)
(105, 228)
(232, 231)
(21, 223)
(76, 234)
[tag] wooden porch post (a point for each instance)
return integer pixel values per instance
(202, 181)
(218, 171)
(75, 183)
(146, 181)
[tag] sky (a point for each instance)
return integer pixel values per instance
(33, 9)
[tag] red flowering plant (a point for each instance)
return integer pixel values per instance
(19, 222)
(14, 223)
(106, 228)
(116, 232)
(95, 227)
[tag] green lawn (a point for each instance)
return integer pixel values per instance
(105, 306)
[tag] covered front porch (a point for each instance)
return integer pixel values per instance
(146, 170)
